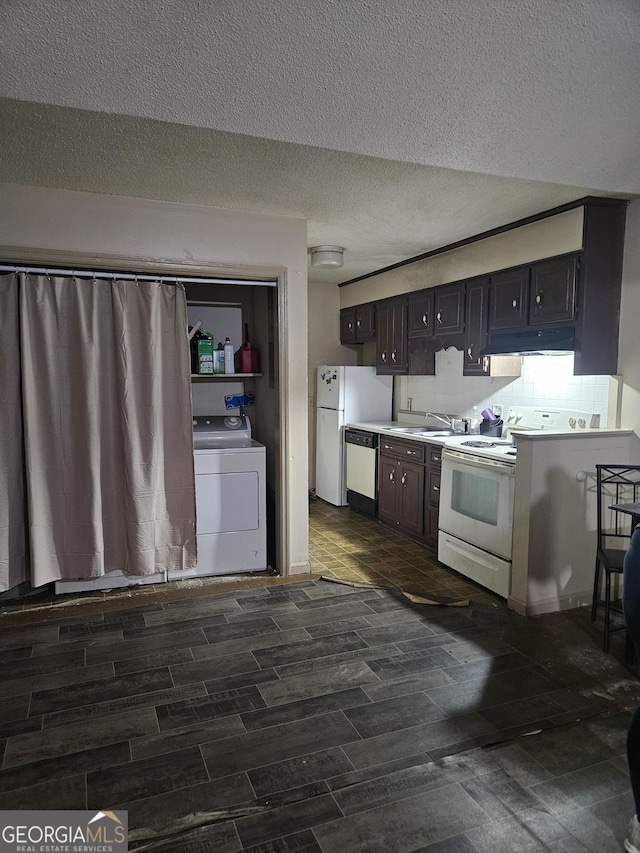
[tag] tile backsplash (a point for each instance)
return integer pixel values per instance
(546, 381)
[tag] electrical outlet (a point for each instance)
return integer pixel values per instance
(409, 401)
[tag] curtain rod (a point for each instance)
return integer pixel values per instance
(127, 276)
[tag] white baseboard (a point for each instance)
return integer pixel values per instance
(550, 605)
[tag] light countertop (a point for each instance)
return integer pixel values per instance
(402, 429)
(413, 432)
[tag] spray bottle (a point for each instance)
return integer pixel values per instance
(474, 422)
(229, 366)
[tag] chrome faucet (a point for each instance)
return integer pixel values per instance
(446, 420)
(454, 424)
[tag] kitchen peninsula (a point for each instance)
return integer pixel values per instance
(554, 539)
(552, 506)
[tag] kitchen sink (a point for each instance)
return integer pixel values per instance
(428, 433)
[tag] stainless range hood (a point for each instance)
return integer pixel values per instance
(531, 342)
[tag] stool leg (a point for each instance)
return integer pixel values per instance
(596, 591)
(607, 612)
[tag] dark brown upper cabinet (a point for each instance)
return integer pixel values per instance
(539, 294)
(421, 343)
(357, 324)
(421, 313)
(599, 287)
(580, 290)
(436, 321)
(509, 299)
(476, 335)
(448, 317)
(477, 311)
(553, 291)
(391, 335)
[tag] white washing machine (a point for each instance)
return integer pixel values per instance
(231, 505)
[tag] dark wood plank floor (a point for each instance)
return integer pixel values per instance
(314, 716)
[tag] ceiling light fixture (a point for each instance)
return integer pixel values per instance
(326, 257)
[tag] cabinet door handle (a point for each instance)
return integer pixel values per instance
(350, 325)
(383, 356)
(358, 324)
(436, 458)
(404, 479)
(539, 299)
(436, 488)
(411, 452)
(439, 316)
(391, 476)
(424, 319)
(393, 356)
(514, 303)
(470, 351)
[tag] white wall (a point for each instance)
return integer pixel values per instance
(39, 224)
(324, 329)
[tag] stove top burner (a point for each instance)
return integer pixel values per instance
(478, 444)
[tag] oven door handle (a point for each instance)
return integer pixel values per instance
(477, 461)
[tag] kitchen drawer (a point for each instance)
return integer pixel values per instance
(435, 455)
(414, 450)
(433, 495)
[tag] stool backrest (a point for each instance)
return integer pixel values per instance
(617, 484)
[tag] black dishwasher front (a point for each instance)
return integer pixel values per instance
(361, 466)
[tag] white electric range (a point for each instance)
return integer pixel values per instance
(482, 446)
(477, 488)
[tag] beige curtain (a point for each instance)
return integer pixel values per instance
(108, 427)
(13, 549)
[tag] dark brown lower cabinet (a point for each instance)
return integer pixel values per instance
(409, 488)
(432, 495)
(401, 496)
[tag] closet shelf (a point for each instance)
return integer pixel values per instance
(223, 376)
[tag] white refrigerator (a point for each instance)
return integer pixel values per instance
(344, 394)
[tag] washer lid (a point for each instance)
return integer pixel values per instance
(220, 430)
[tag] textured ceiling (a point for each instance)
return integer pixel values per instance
(392, 127)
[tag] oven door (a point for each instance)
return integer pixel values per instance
(476, 501)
